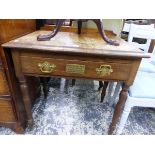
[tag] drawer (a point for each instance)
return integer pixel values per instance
(105, 69)
(6, 111)
(4, 90)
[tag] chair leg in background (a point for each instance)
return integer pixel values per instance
(124, 118)
(44, 82)
(100, 85)
(104, 90)
(73, 82)
(116, 93)
(110, 88)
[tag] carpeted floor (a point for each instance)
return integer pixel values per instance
(77, 111)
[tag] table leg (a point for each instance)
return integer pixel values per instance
(79, 26)
(18, 128)
(105, 85)
(26, 99)
(118, 108)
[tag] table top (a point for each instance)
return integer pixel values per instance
(84, 44)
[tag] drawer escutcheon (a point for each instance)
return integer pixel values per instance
(46, 67)
(104, 70)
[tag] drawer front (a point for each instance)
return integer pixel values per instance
(4, 90)
(75, 68)
(6, 111)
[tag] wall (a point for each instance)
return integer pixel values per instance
(109, 24)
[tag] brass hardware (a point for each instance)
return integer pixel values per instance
(104, 70)
(46, 67)
(75, 68)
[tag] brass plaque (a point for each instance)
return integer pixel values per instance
(75, 68)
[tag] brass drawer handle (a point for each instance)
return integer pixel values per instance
(104, 70)
(46, 67)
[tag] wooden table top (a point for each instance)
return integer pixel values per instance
(83, 44)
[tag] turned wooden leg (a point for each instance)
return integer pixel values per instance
(53, 33)
(79, 26)
(104, 90)
(99, 25)
(118, 108)
(18, 128)
(26, 99)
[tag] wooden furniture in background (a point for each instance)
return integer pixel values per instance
(12, 109)
(72, 56)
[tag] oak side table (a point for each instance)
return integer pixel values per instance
(74, 56)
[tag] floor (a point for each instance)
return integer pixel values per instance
(77, 110)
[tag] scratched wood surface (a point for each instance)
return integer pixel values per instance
(85, 43)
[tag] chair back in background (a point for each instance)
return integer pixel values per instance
(143, 32)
